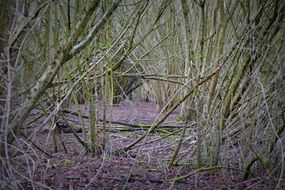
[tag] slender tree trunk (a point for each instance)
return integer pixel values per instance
(187, 107)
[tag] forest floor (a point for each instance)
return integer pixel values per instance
(146, 168)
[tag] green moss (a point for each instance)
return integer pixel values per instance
(68, 162)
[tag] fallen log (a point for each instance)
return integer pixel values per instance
(140, 126)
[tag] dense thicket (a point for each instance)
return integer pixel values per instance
(221, 62)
